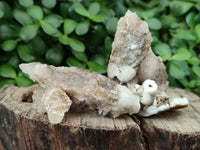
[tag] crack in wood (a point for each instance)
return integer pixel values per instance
(139, 122)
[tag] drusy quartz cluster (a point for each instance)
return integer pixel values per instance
(136, 83)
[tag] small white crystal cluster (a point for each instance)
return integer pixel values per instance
(141, 85)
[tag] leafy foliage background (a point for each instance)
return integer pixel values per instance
(80, 33)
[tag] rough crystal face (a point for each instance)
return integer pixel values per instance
(132, 62)
(137, 80)
(56, 103)
(66, 85)
(153, 68)
(131, 44)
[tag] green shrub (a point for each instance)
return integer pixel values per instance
(80, 33)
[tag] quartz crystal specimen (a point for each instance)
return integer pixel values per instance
(131, 44)
(132, 63)
(59, 87)
(137, 82)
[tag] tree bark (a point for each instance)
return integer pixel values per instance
(22, 128)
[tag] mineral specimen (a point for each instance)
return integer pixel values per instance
(59, 87)
(131, 45)
(137, 82)
(132, 63)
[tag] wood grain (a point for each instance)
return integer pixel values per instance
(22, 128)
(177, 129)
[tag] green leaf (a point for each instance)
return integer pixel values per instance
(190, 19)
(183, 65)
(58, 33)
(38, 46)
(105, 13)
(96, 40)
(7, 71)
(9, 45)
(22, 17)
(74, 62)
(175, 71)
(166, 21)
(49, 3)
(64, 7)
(178, 8)
(35, 12)
(163, 50)
(94, 8)
(81, 11)
(120, 8)
(111, 24)
(185, 35)
(54, 55)
(76, 45)
(174, 25)
(175, 42)
(98, 58)
(6, 32)
(82, 28)
(14, 61)
(80, 55)
(28, 32)
(49, 28)
(197, 18)
(64, 39)
(196, 70)
(197, 29)
(6, 82)
(192, 83)
(23, 81)
(193, 53)
(96, 18)
(93, 66)
(69, 26)
(193, 61)
(5, 9)
(198, 6)
(147, 13)
(25, 53)
(1, 13)
(182, 54)
(26, 3)
(108, 43)
(54, 19)
(154, 23)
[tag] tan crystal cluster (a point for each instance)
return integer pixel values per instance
(136, 83)
(60, 86)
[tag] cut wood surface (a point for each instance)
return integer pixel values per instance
(22, 128)
(178, 129)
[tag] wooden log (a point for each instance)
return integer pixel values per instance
(178, 129)
(21, 127)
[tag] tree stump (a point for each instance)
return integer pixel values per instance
(21, 127)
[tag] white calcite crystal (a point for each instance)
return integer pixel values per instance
(59, 87)
(164, 104)
(137, 82)
(150, 88)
